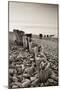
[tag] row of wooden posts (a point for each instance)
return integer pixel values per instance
(26, 40)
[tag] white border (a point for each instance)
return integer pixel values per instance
(4, 42)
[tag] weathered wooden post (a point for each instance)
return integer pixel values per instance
(30, 47)
(35, 50)
(19, 36)
(25, 41)
(29, 36)
(37, 59)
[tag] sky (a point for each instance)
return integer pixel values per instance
(33, 18)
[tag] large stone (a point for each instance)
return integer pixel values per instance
(32, 78)
(42, 84)
(18, 65)
(23, 67)
(12, 65)
(14, 86)
(15, 79)
(19, 70)
(51, 80)
(26, 75)
(20, 77)
(15, 71)
(20, 56)
(26, 83)
(11, 71)
(32, 59)
(29, 70)
(35, 82)
(18, 84)
(54, 77)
